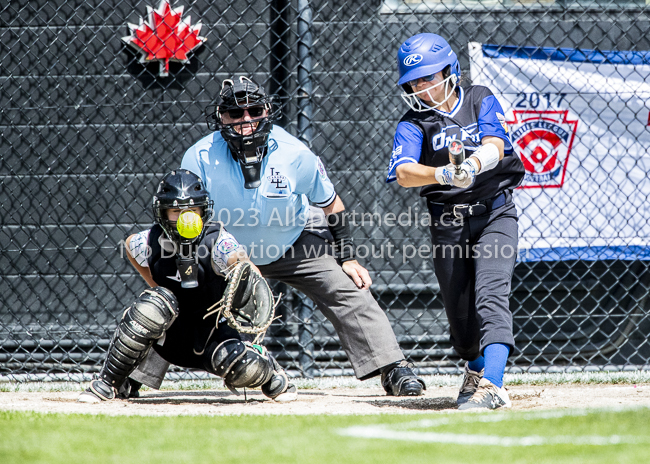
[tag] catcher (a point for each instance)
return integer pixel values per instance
(204, 294)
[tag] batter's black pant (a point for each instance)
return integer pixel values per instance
(474, 259)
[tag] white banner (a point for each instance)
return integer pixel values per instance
(580, 122)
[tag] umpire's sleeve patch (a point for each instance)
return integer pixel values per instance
(222, 250)
(139, 248)
(321, 169)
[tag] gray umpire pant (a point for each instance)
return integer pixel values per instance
(363, 328)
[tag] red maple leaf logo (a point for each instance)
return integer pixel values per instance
(165, 36)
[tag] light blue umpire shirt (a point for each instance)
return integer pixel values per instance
(269, 219)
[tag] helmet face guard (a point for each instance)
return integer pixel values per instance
(248, 150)
(183, 190)
(415, 99)
(423, 55)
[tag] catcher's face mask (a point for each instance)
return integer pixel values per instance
(177, 192)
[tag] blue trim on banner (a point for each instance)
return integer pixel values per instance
(602, 253)
(566, 54)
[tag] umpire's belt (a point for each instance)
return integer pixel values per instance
(468, 210)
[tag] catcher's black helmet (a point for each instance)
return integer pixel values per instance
(181, 189)
(249, 150)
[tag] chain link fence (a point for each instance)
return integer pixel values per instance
(88, 128)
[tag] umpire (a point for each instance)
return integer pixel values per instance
(262, 179)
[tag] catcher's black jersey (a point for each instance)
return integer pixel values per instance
(423, 137)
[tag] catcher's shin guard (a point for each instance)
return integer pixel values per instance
(242, 364)
(398, 379)
(97, 392)
(145, 321)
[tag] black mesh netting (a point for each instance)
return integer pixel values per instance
(87, 128)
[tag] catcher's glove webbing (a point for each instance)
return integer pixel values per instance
(247, 304)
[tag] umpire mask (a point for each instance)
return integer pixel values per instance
(244, 116)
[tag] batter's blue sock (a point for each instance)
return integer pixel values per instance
(477, 365)
(496, 356)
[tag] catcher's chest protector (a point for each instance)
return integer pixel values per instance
(165, 273)
(192, 302)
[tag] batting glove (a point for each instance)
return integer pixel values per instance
(466, 174)
(445, 174)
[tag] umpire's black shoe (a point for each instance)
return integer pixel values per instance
(398, 379)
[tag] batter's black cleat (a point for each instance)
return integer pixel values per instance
(487, 396)
(97, 392)
(469, 385)
(398, 379)
(129, 389)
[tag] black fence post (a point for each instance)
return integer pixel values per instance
(305, 42)
(280, 55)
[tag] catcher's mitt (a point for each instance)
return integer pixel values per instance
(248, 304)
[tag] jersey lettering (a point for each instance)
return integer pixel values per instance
(277, 179)
(450, 133)
(278, 186)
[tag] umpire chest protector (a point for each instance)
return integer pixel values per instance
(439, 129)
(192, 302)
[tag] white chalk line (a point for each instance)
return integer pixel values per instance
(402, 431)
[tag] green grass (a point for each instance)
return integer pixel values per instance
(56, 438)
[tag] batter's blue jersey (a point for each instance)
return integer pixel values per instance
(423, 137)
(269, 219)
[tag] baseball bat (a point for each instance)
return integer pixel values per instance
(456, 154)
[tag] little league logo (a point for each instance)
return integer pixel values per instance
(278, 185)
(543, 140)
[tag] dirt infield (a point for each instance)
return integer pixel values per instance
(322, 401)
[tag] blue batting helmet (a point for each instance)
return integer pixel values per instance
(425, 54)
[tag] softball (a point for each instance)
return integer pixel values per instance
(189, 224)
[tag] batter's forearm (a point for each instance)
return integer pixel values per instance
(488, 155)
(415, 175)
(500, 144)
